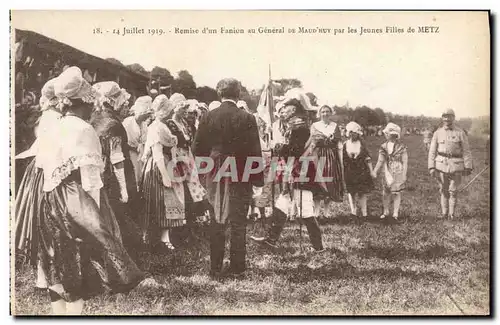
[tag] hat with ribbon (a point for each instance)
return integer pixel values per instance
(111, 93)
(142, 105)
(392, 128)
(48, 97)
(70, 85)
(353, 127)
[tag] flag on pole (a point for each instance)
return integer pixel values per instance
(265, 109)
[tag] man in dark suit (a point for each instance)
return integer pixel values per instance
(228, 137)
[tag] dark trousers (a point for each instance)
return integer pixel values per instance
(237, 223)
(278, 221)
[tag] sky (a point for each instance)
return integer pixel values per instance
(414, 74)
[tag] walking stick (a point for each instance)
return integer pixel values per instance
(300, 218)
(473, 179)
(272, 170)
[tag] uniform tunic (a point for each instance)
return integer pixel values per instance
(449, 151)
(450, 154)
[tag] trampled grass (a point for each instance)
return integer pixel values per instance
(421, 266)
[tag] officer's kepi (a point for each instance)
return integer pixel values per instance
(448, 112)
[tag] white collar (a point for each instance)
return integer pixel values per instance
(229, 100)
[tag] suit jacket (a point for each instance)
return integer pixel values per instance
(229, 136)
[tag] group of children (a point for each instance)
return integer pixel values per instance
(359, 174)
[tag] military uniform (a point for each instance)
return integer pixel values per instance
(450, 155)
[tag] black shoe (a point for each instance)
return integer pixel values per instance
(215, 275)
(233, 273)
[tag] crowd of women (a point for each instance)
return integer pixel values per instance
(97, 189)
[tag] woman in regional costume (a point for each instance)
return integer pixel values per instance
(325, 145)
(190, 191)
(191, 119)
(81, 249)
(162, 186)
(162, 209)
(136, 127)
(29, 212)
(118, 176)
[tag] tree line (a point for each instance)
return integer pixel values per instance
(164, 82)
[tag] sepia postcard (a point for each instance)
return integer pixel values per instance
(258, 163)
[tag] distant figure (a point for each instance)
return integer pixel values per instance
(427, 134)
(449, 158)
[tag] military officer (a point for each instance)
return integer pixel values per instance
(449, 159)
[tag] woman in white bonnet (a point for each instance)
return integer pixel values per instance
(189, 191)
(191, 119)
(118, 176)
(136, 128)
(164, 210)
(81, 248)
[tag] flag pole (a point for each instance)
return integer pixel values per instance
(270, 138)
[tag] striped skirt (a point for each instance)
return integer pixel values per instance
(162, 207)
(28, 212)
(332, 169)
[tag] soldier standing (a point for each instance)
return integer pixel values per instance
(449, 159)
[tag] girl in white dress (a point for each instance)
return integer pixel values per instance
(393, 158)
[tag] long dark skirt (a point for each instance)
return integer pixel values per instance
(331, 169)
(125, 213)
(28, 212)
(130, 231)
(81, 249)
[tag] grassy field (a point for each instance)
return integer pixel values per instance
(421, 266)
